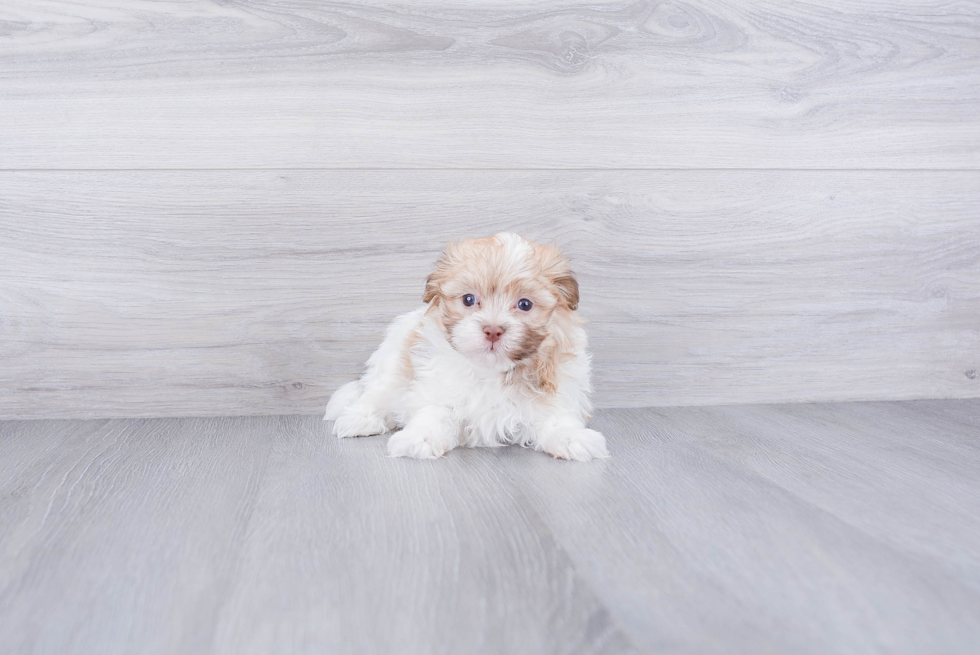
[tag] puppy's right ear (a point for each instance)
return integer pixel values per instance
(433, 283)
(431, 288)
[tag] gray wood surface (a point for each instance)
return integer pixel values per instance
(498, 84)
(259, 292)
(806, 528)
(766, 201)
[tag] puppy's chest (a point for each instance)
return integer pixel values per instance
(488, 406)
(492, 413)
(479, 394)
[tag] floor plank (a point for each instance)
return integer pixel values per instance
(963, 418)
(25, 445)
(908, 480)
(123, 539)
(350, 551)
(693, 552)
(803, 528)
(579, 84)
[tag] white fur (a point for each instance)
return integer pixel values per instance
(459, 395)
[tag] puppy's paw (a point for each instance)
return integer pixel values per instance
(341, 399)
(579, 444)
(418, 443)
(354, 423)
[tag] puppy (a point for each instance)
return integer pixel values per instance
(497, 355)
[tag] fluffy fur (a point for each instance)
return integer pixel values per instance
(492, 373)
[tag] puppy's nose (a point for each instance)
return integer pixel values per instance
(493, 332)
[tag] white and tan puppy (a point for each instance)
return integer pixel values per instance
(496, 356)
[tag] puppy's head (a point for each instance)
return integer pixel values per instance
(496, 297)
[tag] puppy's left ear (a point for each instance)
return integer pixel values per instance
(568, 289)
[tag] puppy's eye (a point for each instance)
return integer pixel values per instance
(524, 305)
(469, 300)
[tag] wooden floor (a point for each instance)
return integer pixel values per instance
(752, 529)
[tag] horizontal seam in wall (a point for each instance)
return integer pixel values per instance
(500, 170)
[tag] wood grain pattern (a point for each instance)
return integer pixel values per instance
(349, 551)
(742, 530)
(269, 535)
(925, 467)
(203, 293)
(122, 539)
(694, 551)
(291, 83)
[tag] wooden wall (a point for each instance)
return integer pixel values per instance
(213, 208)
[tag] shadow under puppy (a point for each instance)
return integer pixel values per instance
(496, 356)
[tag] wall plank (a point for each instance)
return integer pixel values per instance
(582, 84)
(136, 293)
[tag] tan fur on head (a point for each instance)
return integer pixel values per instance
(497, 273)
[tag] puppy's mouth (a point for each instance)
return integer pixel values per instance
(494, 354)
(496, 350)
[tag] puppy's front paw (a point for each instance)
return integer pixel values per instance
(415, 442)
(580, 444)
(354, 423)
